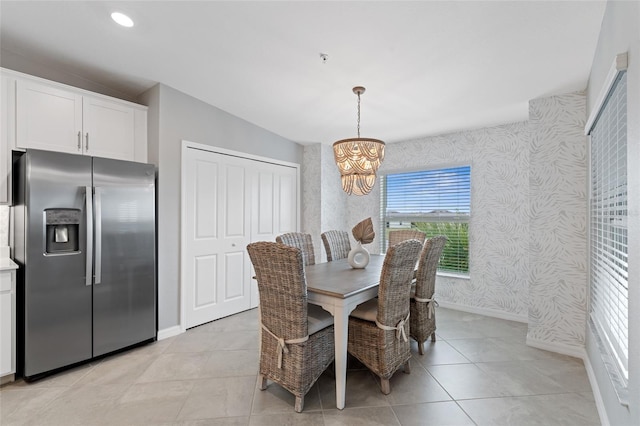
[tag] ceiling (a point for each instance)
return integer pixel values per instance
(429, 67)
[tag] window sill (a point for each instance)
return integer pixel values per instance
(453, 275)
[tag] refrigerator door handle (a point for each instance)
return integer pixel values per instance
(98, 225)
(89, 212)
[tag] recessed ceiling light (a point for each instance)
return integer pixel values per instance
(122, 19)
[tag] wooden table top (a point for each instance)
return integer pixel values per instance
(339, 279)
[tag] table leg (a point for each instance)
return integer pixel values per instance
(341, 327)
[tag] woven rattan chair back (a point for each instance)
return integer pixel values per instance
(289, 356)
(423, 314)
(399, 235)
(337, 244)
(428, 266)
(302, 241)
(395, 281)
(382, 345)
(281, 287)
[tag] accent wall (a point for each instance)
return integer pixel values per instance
(512, 197)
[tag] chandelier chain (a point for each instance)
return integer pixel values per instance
(358, 114)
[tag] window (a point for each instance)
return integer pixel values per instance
(436, 202)
(608, 229)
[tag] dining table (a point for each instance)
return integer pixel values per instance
(338, 288)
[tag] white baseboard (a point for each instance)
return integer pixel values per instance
(485, 311)
(561, 348)
(169, 332)
(597, 396)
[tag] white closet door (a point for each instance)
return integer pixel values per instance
(274, 206)
(217, 268)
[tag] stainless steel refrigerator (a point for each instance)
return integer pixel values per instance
(85, 243)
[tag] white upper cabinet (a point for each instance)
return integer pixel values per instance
(43, 114)
(48, 118)
(108, 129)
(55, 117)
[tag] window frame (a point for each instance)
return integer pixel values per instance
(609, 350)
(457, 219)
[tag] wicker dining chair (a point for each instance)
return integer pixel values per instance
(302, 241)
(337, 244)
(423, 314)
(297, 340)
(379, 328)
(399, 235)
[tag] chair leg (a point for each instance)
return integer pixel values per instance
(385, 386)
(263, 382)
(433, 336)
(421, 348)
(299, 404)
(407, 367)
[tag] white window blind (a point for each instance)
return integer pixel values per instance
(608, 227)
(437, 202)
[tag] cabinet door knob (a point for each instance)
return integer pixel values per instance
(86, 144)
(79, 140)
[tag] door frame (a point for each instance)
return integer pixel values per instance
(183, 205)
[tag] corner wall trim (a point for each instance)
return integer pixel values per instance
(620, 64)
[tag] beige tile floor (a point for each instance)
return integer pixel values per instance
(479, 372)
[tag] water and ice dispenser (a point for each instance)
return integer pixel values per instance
(62, 230)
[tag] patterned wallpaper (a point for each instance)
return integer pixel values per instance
(558, 204)
(329, 210)
(499, 222)
(527, 230)
(311, 202)
(334, 199)
(499, 179)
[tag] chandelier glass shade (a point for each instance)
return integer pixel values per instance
(358, 159)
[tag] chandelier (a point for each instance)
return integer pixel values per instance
(358, 159)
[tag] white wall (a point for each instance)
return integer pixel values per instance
(621, 33)
(181, 117)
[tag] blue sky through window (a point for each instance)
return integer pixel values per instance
(429, 190)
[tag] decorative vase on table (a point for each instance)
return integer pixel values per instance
(364, 234)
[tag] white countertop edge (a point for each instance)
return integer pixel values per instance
(7, 264)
